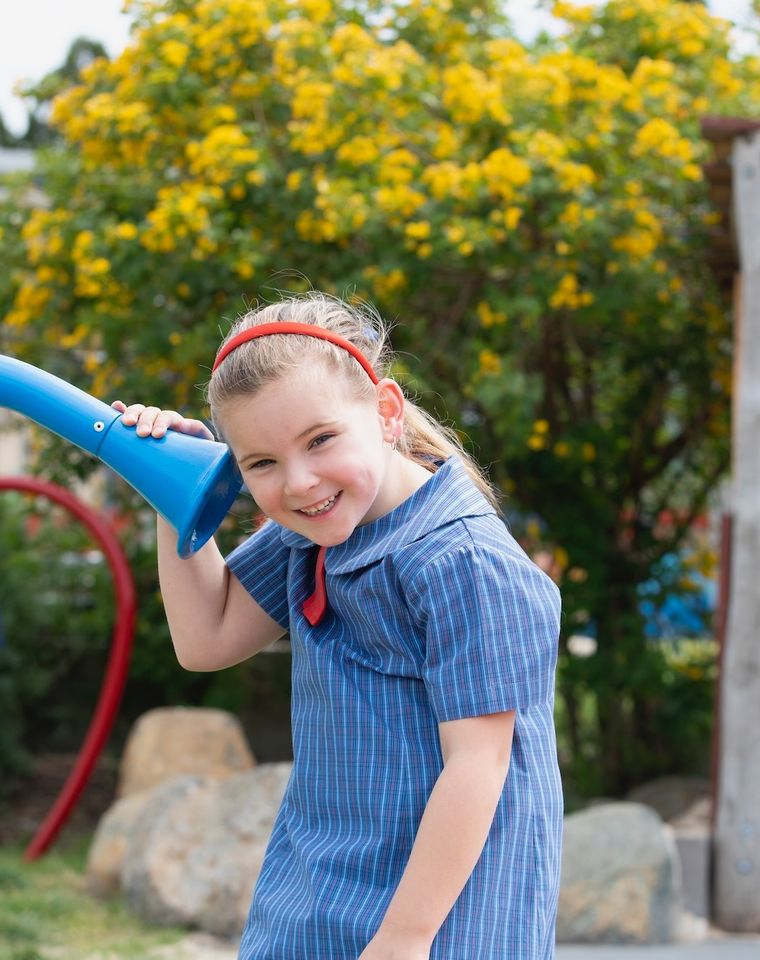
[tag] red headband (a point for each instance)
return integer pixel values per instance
(306, 329)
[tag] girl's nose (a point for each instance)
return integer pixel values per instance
(298, 481)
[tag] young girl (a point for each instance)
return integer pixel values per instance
(423, 817)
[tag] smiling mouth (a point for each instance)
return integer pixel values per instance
(320, 508)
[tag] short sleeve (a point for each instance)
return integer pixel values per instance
(261, 565)
(491, 625)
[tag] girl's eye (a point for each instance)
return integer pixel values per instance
(318, 441)
(258, 464)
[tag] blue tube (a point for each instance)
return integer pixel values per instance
(189, 481)
(55, 404)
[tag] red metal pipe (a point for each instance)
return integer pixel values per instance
(115, 676)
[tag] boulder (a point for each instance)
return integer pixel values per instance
(109, 844)
(670, 796)
(620, 877)
(173, 741)
(193, 859)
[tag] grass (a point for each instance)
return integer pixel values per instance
(46, 912)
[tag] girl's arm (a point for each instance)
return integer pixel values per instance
(214, 621)
(451, 835)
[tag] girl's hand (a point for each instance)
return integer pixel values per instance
(153, 422)
(389, 947)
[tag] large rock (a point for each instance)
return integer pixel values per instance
(620, 877)
(671, 795)
(113, 835)
(192, 859)
(174, 741)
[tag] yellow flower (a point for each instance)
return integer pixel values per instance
(418, 230)
(469, 94)
(489, 363)
(397, 167)
(572, 215)
(98, 266)
(574, 176)
(358, 151)
(568, 294)
(572, 12)
(455, 233)
(401, 200)
(125, 231)
(638, 244)
(175, 52)
(512, 217)
(385, 285)
(45, 274)
(661, 138)
(489, 317)
(243, 269)
(504, 172)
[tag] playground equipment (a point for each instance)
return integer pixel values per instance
(118, 662)
(190, 482)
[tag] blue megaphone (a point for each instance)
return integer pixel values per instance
(190, 482)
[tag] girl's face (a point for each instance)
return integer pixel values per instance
(315, 458)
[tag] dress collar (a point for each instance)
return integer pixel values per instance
(448, 495)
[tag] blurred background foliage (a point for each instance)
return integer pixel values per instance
(533, 215)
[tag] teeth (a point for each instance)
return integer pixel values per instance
(325, 505)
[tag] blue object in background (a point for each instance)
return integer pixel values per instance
(670, 613)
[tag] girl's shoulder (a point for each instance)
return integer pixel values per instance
(474, 557)
(463, 540)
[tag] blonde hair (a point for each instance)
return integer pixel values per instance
(264, 360)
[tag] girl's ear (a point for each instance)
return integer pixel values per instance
(390, 406)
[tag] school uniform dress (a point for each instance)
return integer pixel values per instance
(435, 613)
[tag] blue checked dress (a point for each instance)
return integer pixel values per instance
(435, 613)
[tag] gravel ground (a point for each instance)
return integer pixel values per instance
(198, 946)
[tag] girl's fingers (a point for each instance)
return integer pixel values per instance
(131, 413)
(196, 428)
(154, 422)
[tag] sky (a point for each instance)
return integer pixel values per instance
(35, 36)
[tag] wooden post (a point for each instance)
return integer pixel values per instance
(736, 890)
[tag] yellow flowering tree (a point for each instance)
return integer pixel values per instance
(534, 215)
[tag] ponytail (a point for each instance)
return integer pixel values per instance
(425, 439)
